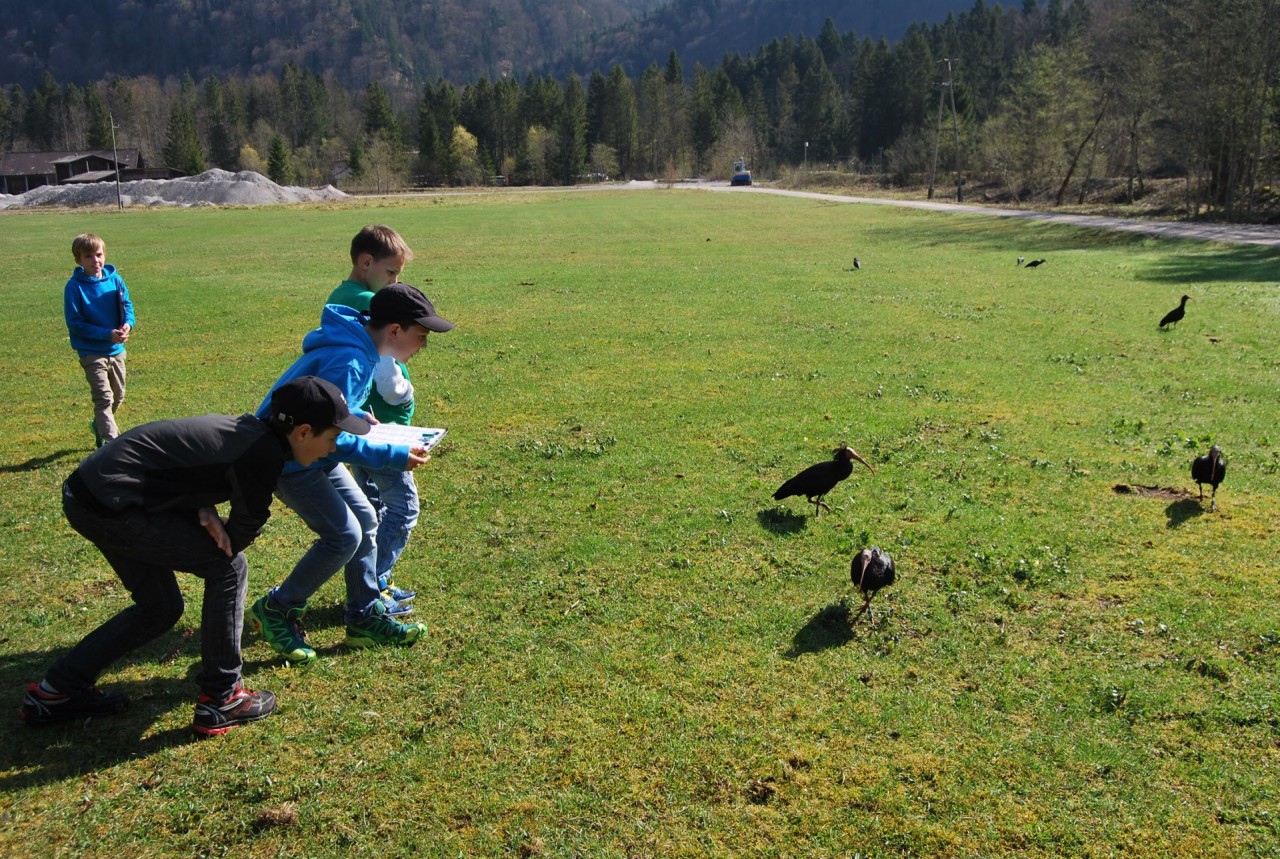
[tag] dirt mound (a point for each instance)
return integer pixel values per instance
(210, 188)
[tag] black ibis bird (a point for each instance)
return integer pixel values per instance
(1210, 469)
(1174, 316)
(817, 480)
(871, 570)
(856, 264)
(1035, 262)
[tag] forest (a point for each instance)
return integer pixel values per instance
(1055, 103)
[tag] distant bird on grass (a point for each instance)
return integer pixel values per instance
(857, 264)
(817, 480)
(1020, 260)
(1173, 317)
(1210, 469)
(870, 571)
(1036, 262)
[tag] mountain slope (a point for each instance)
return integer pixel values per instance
(704, 31)
(359, 40)
(406, 42)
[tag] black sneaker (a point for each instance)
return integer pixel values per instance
(242, 706)
(42, 705)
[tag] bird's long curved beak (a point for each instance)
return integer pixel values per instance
(858, 457)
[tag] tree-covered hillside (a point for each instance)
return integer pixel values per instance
(357, 40)
(703, 31)
(411, 41)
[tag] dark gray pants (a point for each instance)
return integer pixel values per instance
(145, 549)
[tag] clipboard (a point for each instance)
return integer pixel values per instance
(411, 437)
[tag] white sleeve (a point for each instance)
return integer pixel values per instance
(391, 384)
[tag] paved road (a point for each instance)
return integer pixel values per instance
(1228, 233)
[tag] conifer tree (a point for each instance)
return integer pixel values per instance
(182, 147)
(279, 166)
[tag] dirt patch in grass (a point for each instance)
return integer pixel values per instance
(1167, 493)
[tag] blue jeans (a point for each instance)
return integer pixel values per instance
(145, 549)
(346, 528)
(394, 494)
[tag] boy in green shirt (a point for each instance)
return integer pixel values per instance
(378, 256)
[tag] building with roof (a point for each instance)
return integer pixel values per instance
(22, 171)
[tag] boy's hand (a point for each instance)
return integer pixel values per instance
(120, 335)
(212, 522)
(417, 456)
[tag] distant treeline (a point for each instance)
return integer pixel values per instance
(1043, 100)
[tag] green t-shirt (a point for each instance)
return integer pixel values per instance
(357, 297)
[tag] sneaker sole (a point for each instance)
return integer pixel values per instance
(204, 731)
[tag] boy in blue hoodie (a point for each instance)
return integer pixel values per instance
(345, 350)
(99, 320)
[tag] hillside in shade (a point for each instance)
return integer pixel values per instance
(410, 41)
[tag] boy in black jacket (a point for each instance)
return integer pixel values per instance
(147, 502)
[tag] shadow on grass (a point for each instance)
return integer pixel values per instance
(33, 756)
(1180, 511)
(830, 626)
(38, 462)
(778, 521)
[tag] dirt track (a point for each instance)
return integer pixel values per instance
(1228, 233)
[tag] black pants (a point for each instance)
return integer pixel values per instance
(145, 549)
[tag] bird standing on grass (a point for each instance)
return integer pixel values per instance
(1174, 316)
(870, 571)
(856, 264)
(817, 480)
(1020, 260)
(1035, 262)
(1210, 469)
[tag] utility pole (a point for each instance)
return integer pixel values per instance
(955, 125)
(937, 137)
(115, 156)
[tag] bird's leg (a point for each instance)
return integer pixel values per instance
(819, 503)
(866, 606)
(1213, 500)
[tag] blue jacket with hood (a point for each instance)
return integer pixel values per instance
(340, 351)
(94, 307)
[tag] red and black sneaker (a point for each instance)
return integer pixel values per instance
(44, 705)
(214, 718)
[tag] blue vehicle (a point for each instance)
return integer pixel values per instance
(741, 175)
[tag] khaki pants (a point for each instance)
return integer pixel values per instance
(106, 384)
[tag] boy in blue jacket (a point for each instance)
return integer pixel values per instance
(345, 350)
(99, 320)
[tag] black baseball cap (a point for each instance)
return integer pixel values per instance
(406, 305)
(312, 400)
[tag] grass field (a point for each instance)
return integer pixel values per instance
(635, 651)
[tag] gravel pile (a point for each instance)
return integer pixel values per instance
(211, 188)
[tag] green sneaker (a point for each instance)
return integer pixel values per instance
(282, 629)
(376, 628)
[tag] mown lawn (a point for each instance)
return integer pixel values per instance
(634, 650)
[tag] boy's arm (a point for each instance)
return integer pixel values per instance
(77, 324)
(253, 480)
(126, 306)
(392, 386)
(383, 457)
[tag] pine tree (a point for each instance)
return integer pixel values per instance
(571, 134)
(98, 128)
(182, 147)
(279, 166)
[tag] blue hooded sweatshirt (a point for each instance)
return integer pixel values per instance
(94, 307)
(342, 352)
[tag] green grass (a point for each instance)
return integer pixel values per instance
(634, 650)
